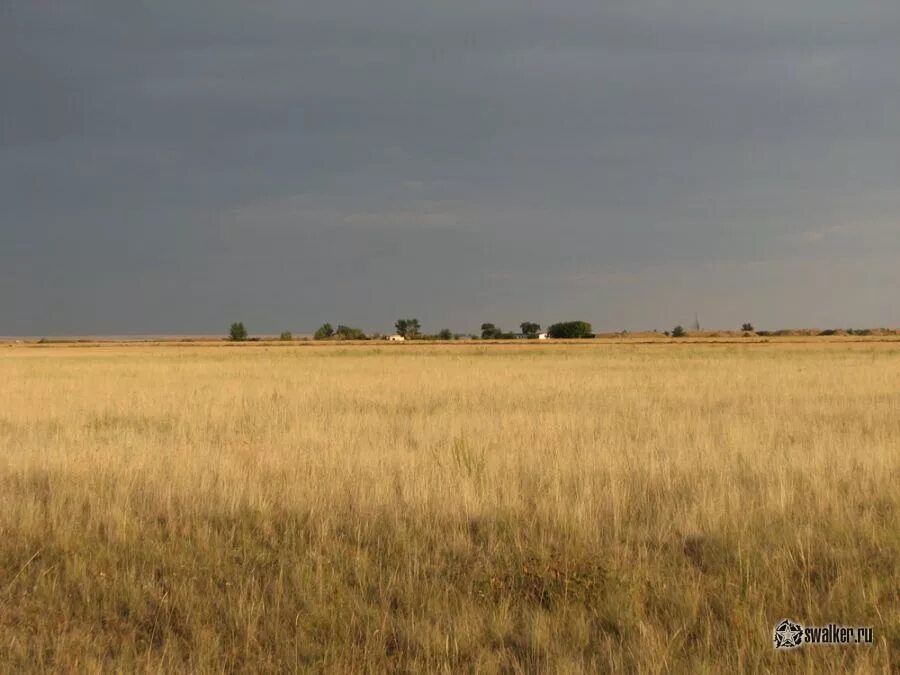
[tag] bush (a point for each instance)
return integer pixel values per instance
(445, 334)
(237, 333)
(324, 332)
(349, 333)
(286, 336)
(570, 330)
(678, 332)
(747, 327)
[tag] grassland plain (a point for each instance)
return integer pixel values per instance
(521, 508)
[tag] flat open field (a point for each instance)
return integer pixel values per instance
(519, 508)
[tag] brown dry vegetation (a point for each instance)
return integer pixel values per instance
(652, 508)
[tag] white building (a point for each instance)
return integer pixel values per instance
(543, 336)
(396, 338)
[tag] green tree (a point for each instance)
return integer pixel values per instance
(237, 332)
(349, 333)
(286, 336)
(324, 332)
(530, 329)
(747, 327)
(571, 330)
(408, 328)
(445, 334)
(490, 332)
(678, 332)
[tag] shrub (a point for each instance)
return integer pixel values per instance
(571, 330)
(324, 332)
(349, 333)
(747, 327)
(286, 336)
(678, 332)
(445, 334)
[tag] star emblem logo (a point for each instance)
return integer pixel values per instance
(788, 634)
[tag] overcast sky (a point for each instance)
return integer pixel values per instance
(172, 166)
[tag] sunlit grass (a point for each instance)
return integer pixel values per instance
(577, 508)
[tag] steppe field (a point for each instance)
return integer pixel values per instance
(596, 507)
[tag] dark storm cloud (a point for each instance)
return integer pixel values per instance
(171, 166)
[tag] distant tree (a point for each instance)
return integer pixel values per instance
(286, 336)
(490, 332)
(446, 334)
(530, 329)
(678, 332)
(349, 333)
(324, 332)
(571, 330)
(408, 328)
(237, 333)
(748, 327)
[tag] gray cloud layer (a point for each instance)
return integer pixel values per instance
(174, 166)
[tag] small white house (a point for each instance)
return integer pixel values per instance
(543, 336)
(396, 338)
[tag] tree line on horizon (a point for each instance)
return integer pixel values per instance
(411, 329)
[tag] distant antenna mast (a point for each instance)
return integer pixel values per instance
(696, 325)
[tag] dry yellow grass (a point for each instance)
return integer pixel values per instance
(619, 507)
